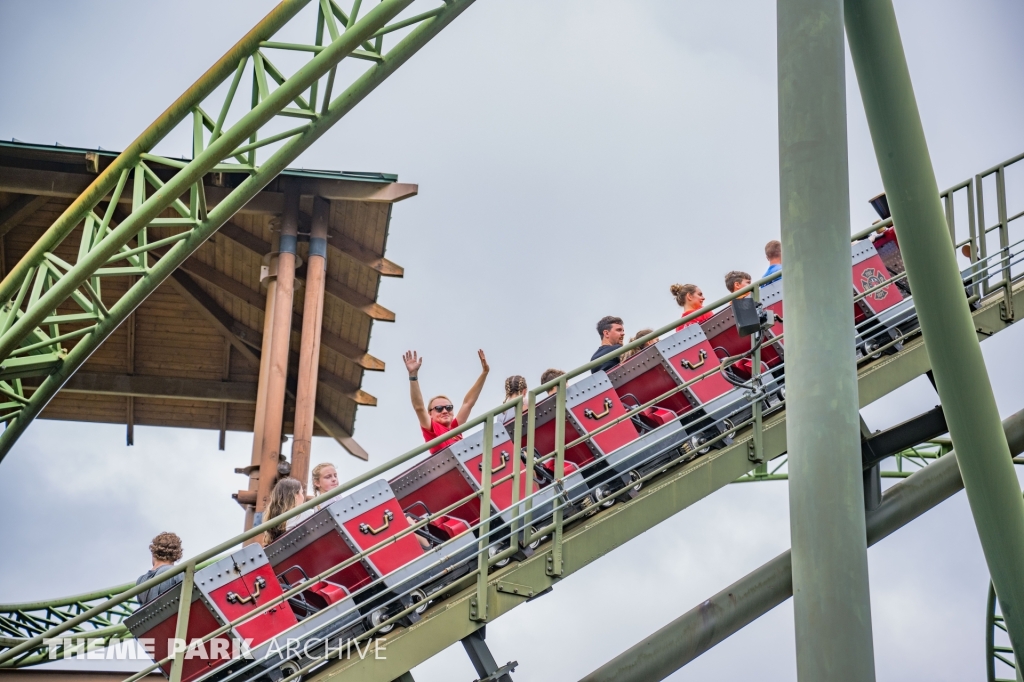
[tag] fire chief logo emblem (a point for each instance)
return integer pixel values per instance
(870, 277)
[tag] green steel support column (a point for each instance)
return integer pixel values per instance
(826, 497)
(950, 337)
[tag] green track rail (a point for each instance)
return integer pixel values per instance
(447, 622)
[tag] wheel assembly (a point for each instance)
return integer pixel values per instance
(602, 497)
(419, 597)
(730, 428)
(697, 444)
(379, 616)
(497, 548)
(289, 668)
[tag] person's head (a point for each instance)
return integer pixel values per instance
(287, 494)
(515, 386)
(642, 333)
(688, 296)
(773, 251)
(736, 279)
(165, 549)
(611, 331)
(550, 375)
(441, 410)
(325, 478)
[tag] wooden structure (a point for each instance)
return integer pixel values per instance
(190, 354)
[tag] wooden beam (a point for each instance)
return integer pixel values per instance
(355, 251)
(248, 341)
(70, 185)
(225, 376)
(175, 388)
(17, 211)
(240, 291)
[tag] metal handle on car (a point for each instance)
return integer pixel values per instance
(504, 462)
(258, 584)
(703, 355)
(590, 414)
(388, 518)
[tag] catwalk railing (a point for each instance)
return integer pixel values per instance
(144, 204)
(757, 438)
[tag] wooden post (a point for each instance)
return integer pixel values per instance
(309, 349)
(278, 356)
(263, 382)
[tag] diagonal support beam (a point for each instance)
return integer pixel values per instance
(240, 337)
(716, 619)
(961, 377)
(17, 211)
(238, 140)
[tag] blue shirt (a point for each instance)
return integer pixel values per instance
(772, 269)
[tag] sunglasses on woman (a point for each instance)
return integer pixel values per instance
(443, 408)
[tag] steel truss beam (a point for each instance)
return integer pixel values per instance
(752, 596)
(228, 130)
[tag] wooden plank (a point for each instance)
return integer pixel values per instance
(243, 293)
(176, 388)
(235, 332)
(17, 211)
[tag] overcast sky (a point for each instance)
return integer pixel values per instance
(574, 159)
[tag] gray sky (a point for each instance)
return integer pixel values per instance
(574, 160)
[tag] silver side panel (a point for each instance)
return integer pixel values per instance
(358, 502)
(687, 337)
(310, 530)
(862, 250)
(584, 390)
(423, 473)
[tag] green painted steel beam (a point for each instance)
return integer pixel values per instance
(832, 600)
(39, 284)
(950, 335)
(716, 619)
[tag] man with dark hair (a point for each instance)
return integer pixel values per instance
(737, 279)
(548, 375)
(165, 550)
(773, 252)
(611, 331)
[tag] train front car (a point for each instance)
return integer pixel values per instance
(232, 587)
(882, 315)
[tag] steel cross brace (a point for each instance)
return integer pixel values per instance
(166, 197)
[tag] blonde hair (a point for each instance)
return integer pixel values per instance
(640, 334)
(514, 385)
(438, 397)
(317, 470)
(681, 291)
(282, 498)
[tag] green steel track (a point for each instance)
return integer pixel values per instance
(448, 622)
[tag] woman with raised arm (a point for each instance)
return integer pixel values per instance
(438, 416)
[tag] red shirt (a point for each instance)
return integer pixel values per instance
(436, 430)
(697, 320)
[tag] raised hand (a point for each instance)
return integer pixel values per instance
(483, 362)
(413, 362)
